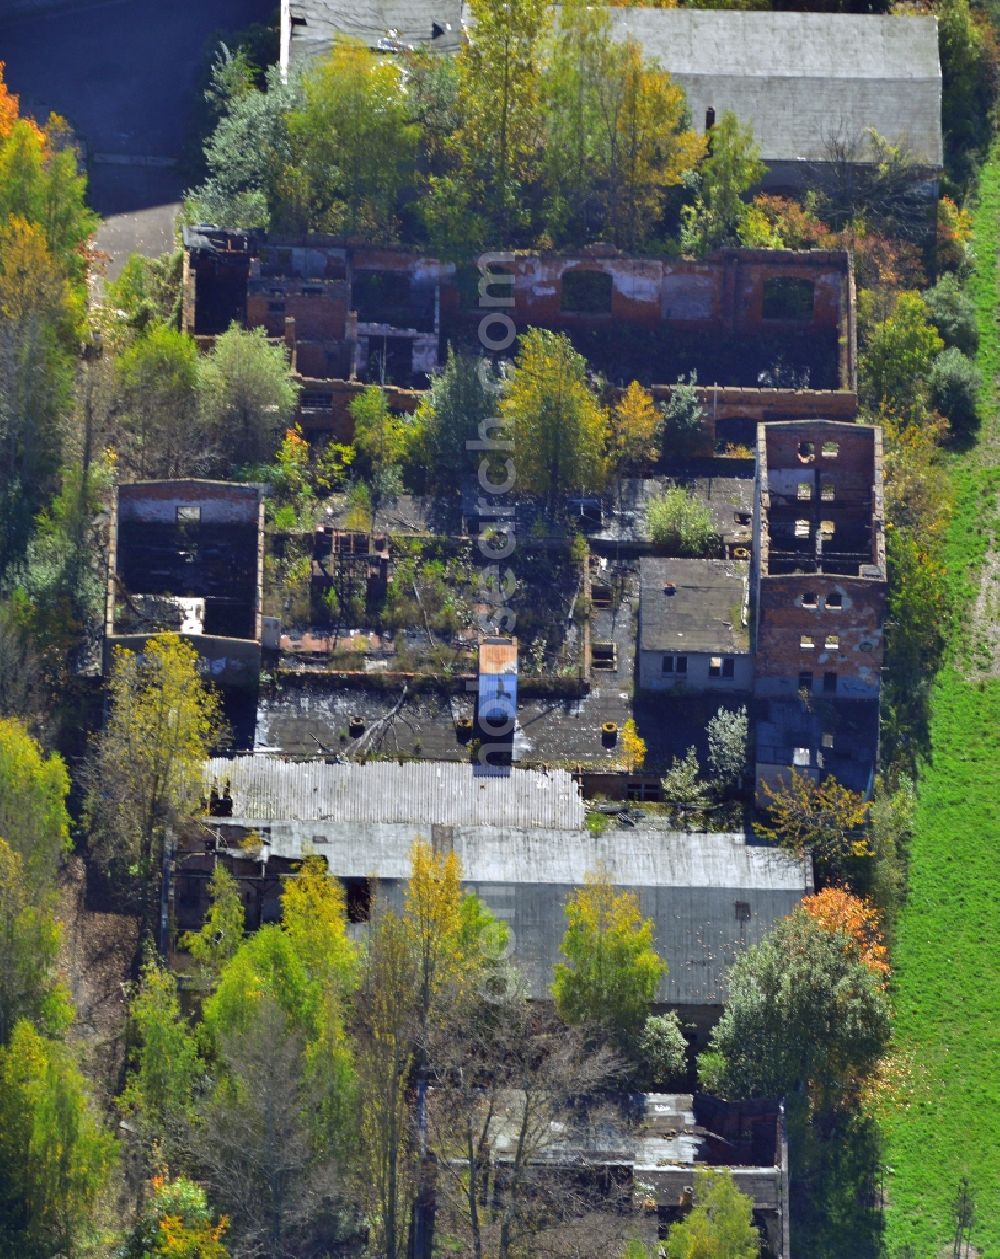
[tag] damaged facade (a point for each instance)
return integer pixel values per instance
(186, 557)
(773, 330)
(820, 590)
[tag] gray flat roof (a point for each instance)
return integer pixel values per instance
(702, 615)
(449, 793)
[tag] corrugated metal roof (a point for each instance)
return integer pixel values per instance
(690, 885)
(424, 792)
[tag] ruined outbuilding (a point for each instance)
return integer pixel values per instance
(820, 589)
(187, 558)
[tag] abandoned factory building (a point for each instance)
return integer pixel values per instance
(743, 319)
(186, 557)
(523, 846)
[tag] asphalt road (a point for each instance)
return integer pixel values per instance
(124, 73)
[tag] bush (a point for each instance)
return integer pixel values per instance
(683, 418)
(953, 313)
(680, 522)
(662, 1050)
(727, 747)
(955, 383)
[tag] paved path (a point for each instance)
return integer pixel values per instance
(124, 72)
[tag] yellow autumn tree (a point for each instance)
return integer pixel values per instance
(145, 772)
(612, 969)
(559, 427)
(633, 747)
(635, 428)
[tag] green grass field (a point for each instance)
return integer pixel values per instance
(947, 956)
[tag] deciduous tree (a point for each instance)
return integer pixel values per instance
(802, 1010)
(824, 819)
(461, 396)
(33, 816)
(730, 169)
(247, 395)
(500, 104)
(356, 144)
(145, 771)
(380, 438)
(635, 429)
(681, 523)
(29, 946)
(55, 1160)
(897, 355)
(559, 428)
(612, 970)
(218, 938)
(166, 434)
(728, 734)
(854, 918)
(719, 1226)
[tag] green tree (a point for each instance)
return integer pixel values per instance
(39, 321)
(681, 523)
(380, 438)
(500, 103)
(33, 817)
(158, 375)
(144, 774)
(719, 1226)
(681, 784)
(968, 74)
(247, 395)
(802, 1010)
(612, 970)
(55, 1160)
(147, 291)
(29, 948)
(730, 169)
(460, 397)
(220, 934)
(559, 428)
(824, 819)
(953, 313)
(683, 420)
(166, 1066)
(728, 735)
(955, 385)
(252, 180)
(356, 145)
(897, 356)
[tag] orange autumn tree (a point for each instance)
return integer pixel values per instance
(857, 919)
(10, 109)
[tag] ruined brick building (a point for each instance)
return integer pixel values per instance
(770, 333)
(819, 582)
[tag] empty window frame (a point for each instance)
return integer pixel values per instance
(827, 528)
(829, 683)
(831, 642)
(830, 450)
(801, 756)
(586, 292)
(721, 667)
(806, 642)
(807, 452)
(790, 298)
(826, 741)
(742, 911)
(835, 600)
(667, 664)
(802, 528)
(827, 490)
(681, 664)
(804, 492)
(188, 515)
(810, 599)
(276, 308)
(805, 680)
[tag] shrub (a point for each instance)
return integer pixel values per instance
(955, 383)
(953, 313)
(663, 1049)
(680, 522)
(682, 431)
